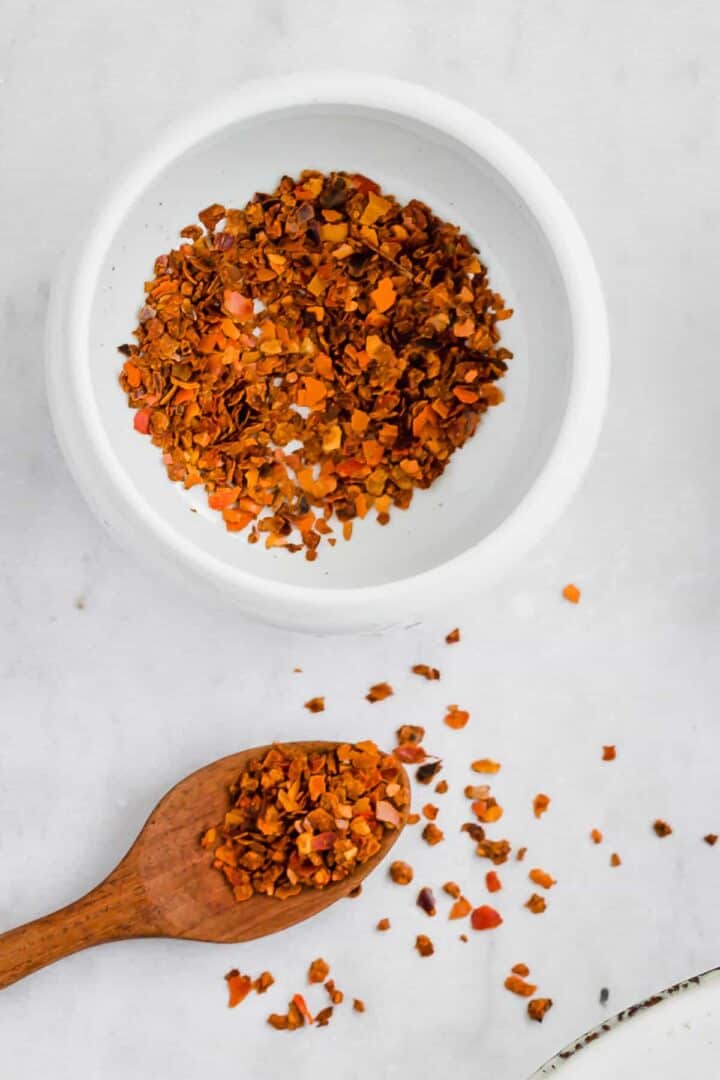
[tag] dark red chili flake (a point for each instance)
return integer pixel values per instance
(426, 901)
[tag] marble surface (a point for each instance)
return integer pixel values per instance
(113, 684)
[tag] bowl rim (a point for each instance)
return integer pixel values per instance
(580, 427)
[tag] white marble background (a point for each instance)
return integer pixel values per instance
(113, 685)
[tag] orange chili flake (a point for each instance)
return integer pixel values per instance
(318, 971)
(336, 996)
(456, 718)
(485, 765)
(383, 924)
(521, 969)
(608, 753)
(424, 945)
(285, 831)
(430, 811)
(487, 810)
(453, 637)
(460, 909)
(541, 878)
(322, 1019)
(299, 1001)
(540, 804)
(430, 673)
(379, 692)
(401, 872)
(536, 904)
(538, 1007)
(711, 839)
(412, 819)
(432, 835)
(358, 1005)
(263, 982)
(279, 1021)
(492, 881)
(615, 859)
(411, 734)
(441, 787)
(572, 593)
(239, 986)
(452, 889)
(521, 853)
(495, 850)
(516, 985)
(596, 836)
(464, 937)
(485, 918)
(661, 828)
(315, 705)
(323, 317)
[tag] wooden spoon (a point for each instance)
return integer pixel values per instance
(166, 887)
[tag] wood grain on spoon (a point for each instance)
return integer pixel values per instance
(165, 886)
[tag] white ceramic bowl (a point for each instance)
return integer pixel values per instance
(500, 492)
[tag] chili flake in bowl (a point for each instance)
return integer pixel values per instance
(436, 171)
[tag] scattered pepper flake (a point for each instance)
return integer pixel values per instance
(485, 918)
(379, 692)
(424, 945)
(430, 811)
(410, 735)
(336, 996)
(322, 1019)
(412, 819)
(383, 924)
(263, 982)
(493, 882)
(426, 900)
(453, 637)
(538, 1007)
(315, 705)
(711, 839)
(432, 835)
(541, 878)
(401, 872)
(521, 853)
(430, 673)
(452, 889)
(497, 851)
(426, 772)
(596, 836)
(456, 718)
(485, 765)
(661, 828)
(464, 937)
(608, 753)
(536, 904)
(520, 969)
(441, 787)
(318, 971)
(301, 1004)
(540, 805)
(615, 859)
(460, 909)
(239, 986)
(572, 593)
(516, 985)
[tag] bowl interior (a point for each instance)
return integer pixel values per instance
(493, 472)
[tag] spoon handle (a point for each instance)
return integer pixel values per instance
(115, 909)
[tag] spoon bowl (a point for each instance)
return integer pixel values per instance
(166, 886)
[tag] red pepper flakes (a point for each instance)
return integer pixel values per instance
(409, 754)
(540, 804)
(476, 791)
(441, 787)
(464, 937)
(239, 986)
(401, 872)
(615, 859)
(301, 1004)
(711, 839)
(572, 593)
(538, 1007)
(412, 819)
(493, 882)
(306, 820)
(521, 853)
(517, 985)
(485, 765)
(336, 996)
(460, 909)
(315, 705)
(608, 753)
(318, 971)
(452, 889)
(424, 945)
(596, 836)
(322, 316)
(475, 832)
(485, 918)
(520, 969)
(453, 637)
(541, 878)
(661, 828)
(456, 718)
(487, 810)
(536, 904)
(323, 1018)
(358, 1005)
(263, 982)
(430, 811)
(430, 673)
(432, 835)
(426, 900)
(383, 924)
(425, 773)
(410, 735)
(495, 850)
(379, 692)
